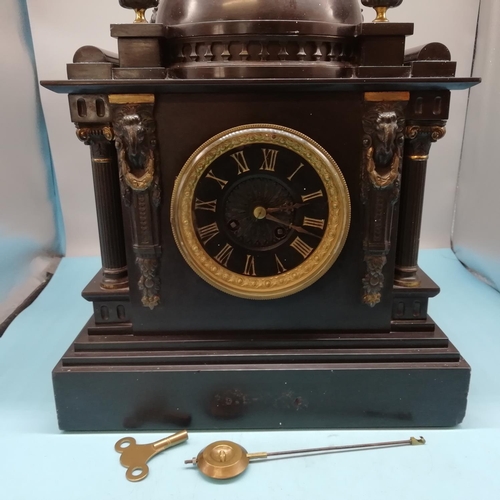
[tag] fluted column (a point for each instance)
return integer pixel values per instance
(108, 204)
(419, 139)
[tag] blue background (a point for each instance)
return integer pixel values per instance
(38, 461)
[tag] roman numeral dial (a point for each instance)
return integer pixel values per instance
(279, 265)
(270, 157)
(250, 266)
(222, 183)
(312, 196)
(301, 247)
(241, 162)
(260, 210)
(224, 255)
(316, 223)
(208, 232)
(210, 206)
(256, 209)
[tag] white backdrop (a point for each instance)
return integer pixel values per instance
(60, 27)
(476, 237)
(27, 222)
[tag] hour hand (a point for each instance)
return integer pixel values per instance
(288, 207)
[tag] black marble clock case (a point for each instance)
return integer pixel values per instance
(320, 358)
(335, 122)
(356, 349)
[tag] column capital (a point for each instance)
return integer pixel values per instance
(89, 134)
(435, 131)
(420, 137)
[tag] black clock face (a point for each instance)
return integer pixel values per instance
(260, 210)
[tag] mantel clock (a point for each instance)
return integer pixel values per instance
(259, 173)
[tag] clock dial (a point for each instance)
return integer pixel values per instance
(260, 211)
(257, 213)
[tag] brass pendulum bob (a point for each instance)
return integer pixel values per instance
(225, 459)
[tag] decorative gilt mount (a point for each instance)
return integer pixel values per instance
(135, 132)
(383, 142)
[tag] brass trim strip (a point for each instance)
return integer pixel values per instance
(115, 270)
(407, 269)
(418, 157)
(131, 99)
(407, 284)
(387, 96)
(102, 160)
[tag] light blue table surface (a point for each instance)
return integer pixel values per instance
(37, 461)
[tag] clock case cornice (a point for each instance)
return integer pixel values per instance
(171, 86)
(298, 55)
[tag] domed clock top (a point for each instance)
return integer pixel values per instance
(174, 12)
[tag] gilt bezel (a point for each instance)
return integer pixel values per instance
(280, 285)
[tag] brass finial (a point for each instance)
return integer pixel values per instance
(140, 16)
(381, 15)
(140, 7)
(381, 7)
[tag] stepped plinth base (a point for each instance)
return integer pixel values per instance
(111, 380)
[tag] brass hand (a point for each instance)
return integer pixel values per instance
(291, 226)
(286, 208)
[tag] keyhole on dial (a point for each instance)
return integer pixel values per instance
(280, 233)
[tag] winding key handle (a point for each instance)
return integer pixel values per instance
(135, 456)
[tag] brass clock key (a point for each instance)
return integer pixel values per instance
(225, 459)
(135, 456)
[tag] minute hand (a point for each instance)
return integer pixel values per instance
(291, 226)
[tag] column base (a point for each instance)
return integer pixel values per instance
(114, 279)
(407, 277)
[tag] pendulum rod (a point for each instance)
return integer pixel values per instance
(225, 459)
(406, 442)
